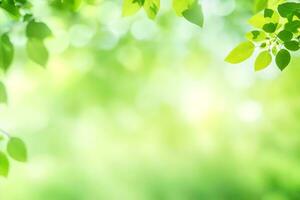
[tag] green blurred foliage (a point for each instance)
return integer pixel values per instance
(128, 108)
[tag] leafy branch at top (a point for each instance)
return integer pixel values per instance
(276, 35)
(191, 10)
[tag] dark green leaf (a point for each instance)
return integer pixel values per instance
(268, 13)
(270, 27)
(288, 9)
(283, 59)
(6, 52)
(292, 26)
(285, 35)
(292, 45)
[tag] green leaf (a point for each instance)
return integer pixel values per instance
(285, 35)
(270, 27)
(263, 60)
(10, 7)
(283, 59)
(130, 7)
(256, 36)
(240, 53)
(292, 26)
(292, 45)
(4, 165)
(194, 14)
(37, 30)
(259, 5)
(37, 51)
(180, 6)
(16, 149)
(258, 20)
(268, 13)
(3, 93)
(288, 9)
(6, 52)
(152, 7)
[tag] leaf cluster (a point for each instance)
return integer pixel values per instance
(14, 148)
(276, 35)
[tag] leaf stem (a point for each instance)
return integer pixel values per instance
(5, 133)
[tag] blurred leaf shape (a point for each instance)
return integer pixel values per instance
(16, 149)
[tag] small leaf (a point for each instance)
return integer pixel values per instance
(270, 27)
(3, 94)
(37, 30)
(180, 6)
(152, 7)
(37, 51)
(6, 52)
(268, 13)
(194, 14)
(283, 59)
(263, 60)
(16, 149)
(130, 7)
(4, 165)
(292, 45)
(285, 35)
(256, 36)
(240, 53)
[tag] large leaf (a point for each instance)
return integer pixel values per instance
(4, 165)
(16, 149)
(240, 53)
(288, 9)
(6, 52)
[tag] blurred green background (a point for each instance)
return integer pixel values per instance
(134, 109)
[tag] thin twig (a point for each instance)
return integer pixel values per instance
(5, 133)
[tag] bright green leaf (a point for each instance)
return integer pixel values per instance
(16, 149)
(181, 5)
(3, 93)
(130, 7)
(152, 7)
(240, 53)
(263, 60)
(4, 165)
(194, 14)
(37, 51)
